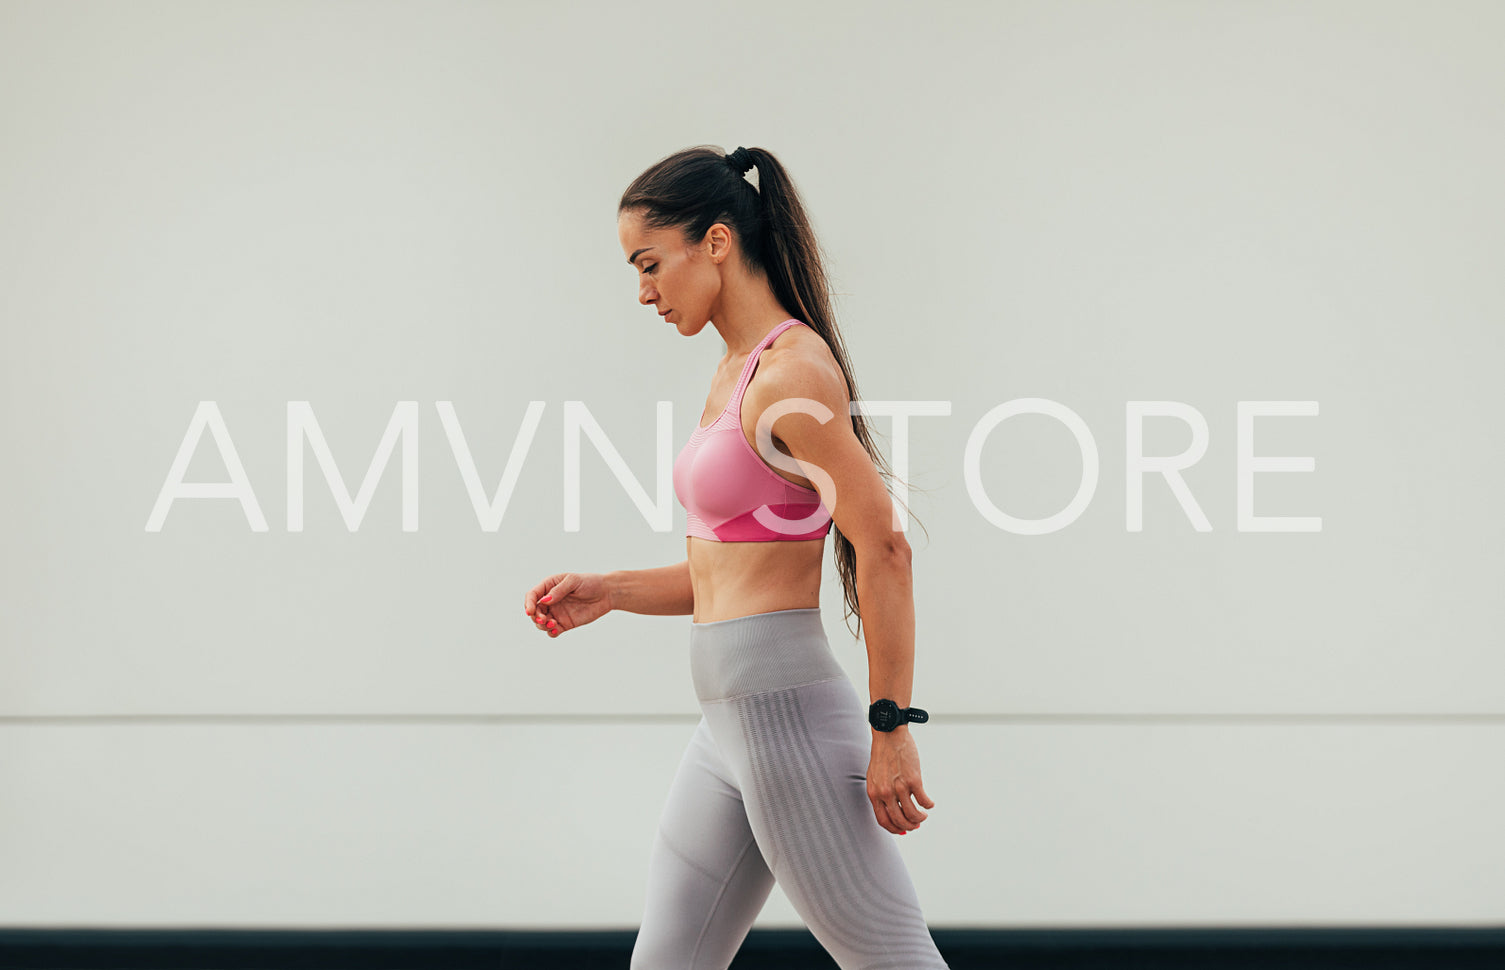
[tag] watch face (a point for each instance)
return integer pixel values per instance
(885, 715)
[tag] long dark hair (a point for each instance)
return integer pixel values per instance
(693, 189)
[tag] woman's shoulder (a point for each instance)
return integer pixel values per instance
(802, 345)
(798, 363)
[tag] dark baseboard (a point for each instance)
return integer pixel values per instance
(1274, 948)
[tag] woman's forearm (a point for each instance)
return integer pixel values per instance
(665, 591)
(885, 595)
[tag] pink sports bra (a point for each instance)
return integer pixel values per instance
(725, 485)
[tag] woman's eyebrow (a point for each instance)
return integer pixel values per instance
(633, 259)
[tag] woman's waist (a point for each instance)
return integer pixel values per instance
(803, 618)
(760, 652)
(729, 560)
(730, 580)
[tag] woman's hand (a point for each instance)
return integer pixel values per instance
(567, 600)
(893, 781)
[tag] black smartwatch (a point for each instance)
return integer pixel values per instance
(885, 715)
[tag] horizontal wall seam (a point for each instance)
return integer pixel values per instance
(937, 720)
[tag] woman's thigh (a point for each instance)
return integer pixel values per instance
(707, 879)
(799, 756)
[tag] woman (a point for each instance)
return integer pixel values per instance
(785, 777)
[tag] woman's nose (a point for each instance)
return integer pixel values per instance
(646, 295)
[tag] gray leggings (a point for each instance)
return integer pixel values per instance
(773, 786)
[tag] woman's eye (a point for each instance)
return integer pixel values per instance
(649, 269)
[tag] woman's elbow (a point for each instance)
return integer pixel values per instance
(888, 549)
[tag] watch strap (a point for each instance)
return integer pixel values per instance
(884, 709)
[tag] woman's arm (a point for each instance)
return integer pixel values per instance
(567, 601)
(665, 591)
(828, 452)
(885, 590)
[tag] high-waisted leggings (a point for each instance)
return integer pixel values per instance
(773, 785)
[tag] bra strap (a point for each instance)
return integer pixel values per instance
(757, 351)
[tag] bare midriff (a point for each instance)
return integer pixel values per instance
(732, 579)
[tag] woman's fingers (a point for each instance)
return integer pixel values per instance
(546, 623)
(896, 810)
(540, 613)
(909, 811)
(880, 812)
(549, 590)
(538, 603)
(565, 601)
(893, 778)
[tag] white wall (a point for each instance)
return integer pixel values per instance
(357, 205)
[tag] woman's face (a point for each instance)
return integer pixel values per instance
(683, 283)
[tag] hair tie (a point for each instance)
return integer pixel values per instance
(741, 160)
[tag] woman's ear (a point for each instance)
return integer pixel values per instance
(719, 238)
